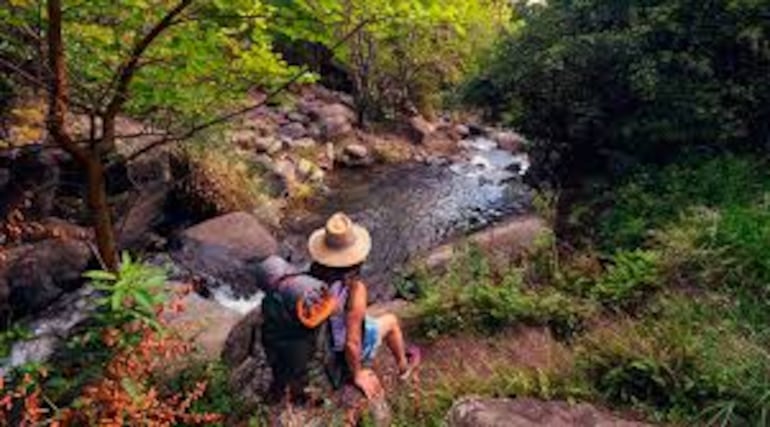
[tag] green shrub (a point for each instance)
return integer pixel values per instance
(14, 333)
(684, 361)
(652, 199)
(135, 292)
(472, 297)
(603, 85)
(630, 278)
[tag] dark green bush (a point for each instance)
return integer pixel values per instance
(601, 85)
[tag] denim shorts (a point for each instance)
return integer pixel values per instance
(371, 340)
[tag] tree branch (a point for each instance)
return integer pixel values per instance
(127, 70)
(58, 91)
(229, 116)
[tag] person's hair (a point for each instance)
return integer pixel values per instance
(335, 274)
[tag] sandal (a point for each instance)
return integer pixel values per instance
(413, 359)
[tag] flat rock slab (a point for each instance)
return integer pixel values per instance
(510, 237)
(525, 412)
(224, 249)
(204, 322)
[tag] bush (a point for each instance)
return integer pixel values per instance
(473, 297)
(602, 85)
(216, 181)
(683, 362)
(630, 278)
(108, 372)
(651, 199)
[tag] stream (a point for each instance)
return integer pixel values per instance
(412, 208)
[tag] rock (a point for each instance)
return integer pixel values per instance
(508, 238)
(52, 327)
(298, 117)
(420, 129)
(477, 130)
(285, 170)
(301, 143)
(33, 180)
(332, 110)
(134, 229)
(509, 141)
(244, 138)
(205, 322)
(5, 178)
(335, 127)
(34, 275)
(526, 412)
(224, 249)
(317, 176)
(309, 171)
(269, 145)
(293, 130)
(462, 131)
(244, 355)
(356, 151)
(355, 155)
(329, 156)
(314, 131)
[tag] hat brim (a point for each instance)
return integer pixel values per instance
(338, 258)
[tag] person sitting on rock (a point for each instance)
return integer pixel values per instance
(338, 251)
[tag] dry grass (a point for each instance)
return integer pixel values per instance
(219, 182)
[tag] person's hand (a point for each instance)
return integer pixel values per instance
(367, 381)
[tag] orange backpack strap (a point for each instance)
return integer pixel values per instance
(312, 315)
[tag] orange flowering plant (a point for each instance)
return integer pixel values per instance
(131, 344)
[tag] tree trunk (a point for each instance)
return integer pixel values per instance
(90, 161)
(100, 214)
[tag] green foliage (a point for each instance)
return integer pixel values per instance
(472, 297)
(651, 198)
(631, 277)
(9, 336)
(203, 63)
(683, 362)
(505, 381)
(601, 85)
(407, 52)
(134, 293)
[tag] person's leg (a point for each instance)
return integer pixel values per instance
(390, 332)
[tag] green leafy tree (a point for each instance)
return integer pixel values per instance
(174, 65)
(406, 52)
(600, 84)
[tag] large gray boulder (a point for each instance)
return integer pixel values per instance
(34, 275)
(526, 412)
(224, 250)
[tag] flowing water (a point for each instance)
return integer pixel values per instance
(410, 209)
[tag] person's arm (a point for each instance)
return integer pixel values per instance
(354, 325)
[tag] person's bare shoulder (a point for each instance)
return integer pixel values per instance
(358, 295)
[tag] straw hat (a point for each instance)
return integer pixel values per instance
(341, 243)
